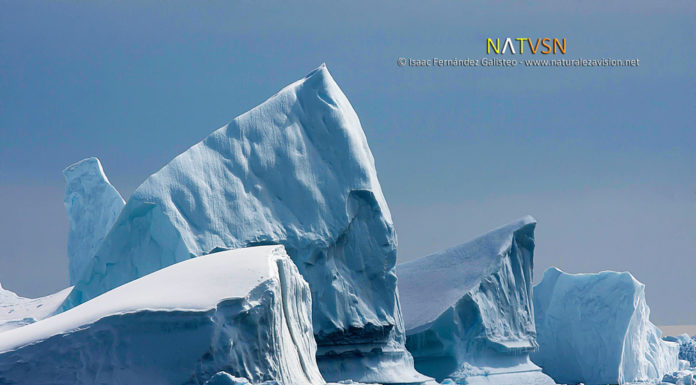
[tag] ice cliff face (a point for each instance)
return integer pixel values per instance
(296, 171)
(468, 310)
(92, 204)
(245, 312)
(595, 329)
(16, 311)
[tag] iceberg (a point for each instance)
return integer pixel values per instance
(468, 309)
(682, 377)
(595, 329)
(296, 171)
(16, 311)
(687, 347)
(245, 312)
(92, 204)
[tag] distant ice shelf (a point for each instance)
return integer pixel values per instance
(16, 311)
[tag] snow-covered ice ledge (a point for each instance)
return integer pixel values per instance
(245, 312)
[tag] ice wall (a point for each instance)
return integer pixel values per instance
(468, 309)
(92, 204)
(245, 312)
(595, 329)
(296, 171)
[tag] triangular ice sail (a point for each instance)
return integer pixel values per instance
(296, 171)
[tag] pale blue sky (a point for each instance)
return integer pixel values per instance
(604, 158)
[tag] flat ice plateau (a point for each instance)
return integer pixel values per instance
(596, 329)
(468, 309)
(245, 312)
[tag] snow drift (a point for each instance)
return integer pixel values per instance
(245, 312)
(16, 311)
(468, 309)
(92, 204)
(595, 329)
(296, 171)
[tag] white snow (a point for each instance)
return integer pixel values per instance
(16, 311)
(245, 312)
(595, 329)
(468, 309)
(297, 171)
(92, 204)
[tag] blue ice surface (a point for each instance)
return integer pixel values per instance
(468, 309)
(297, 171)
(93, 205)
(595, 329)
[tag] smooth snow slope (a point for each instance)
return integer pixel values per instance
(595, 329)
(245, 312)
(16, 311)
(468, 309)
(92, 204)
(297, 171)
